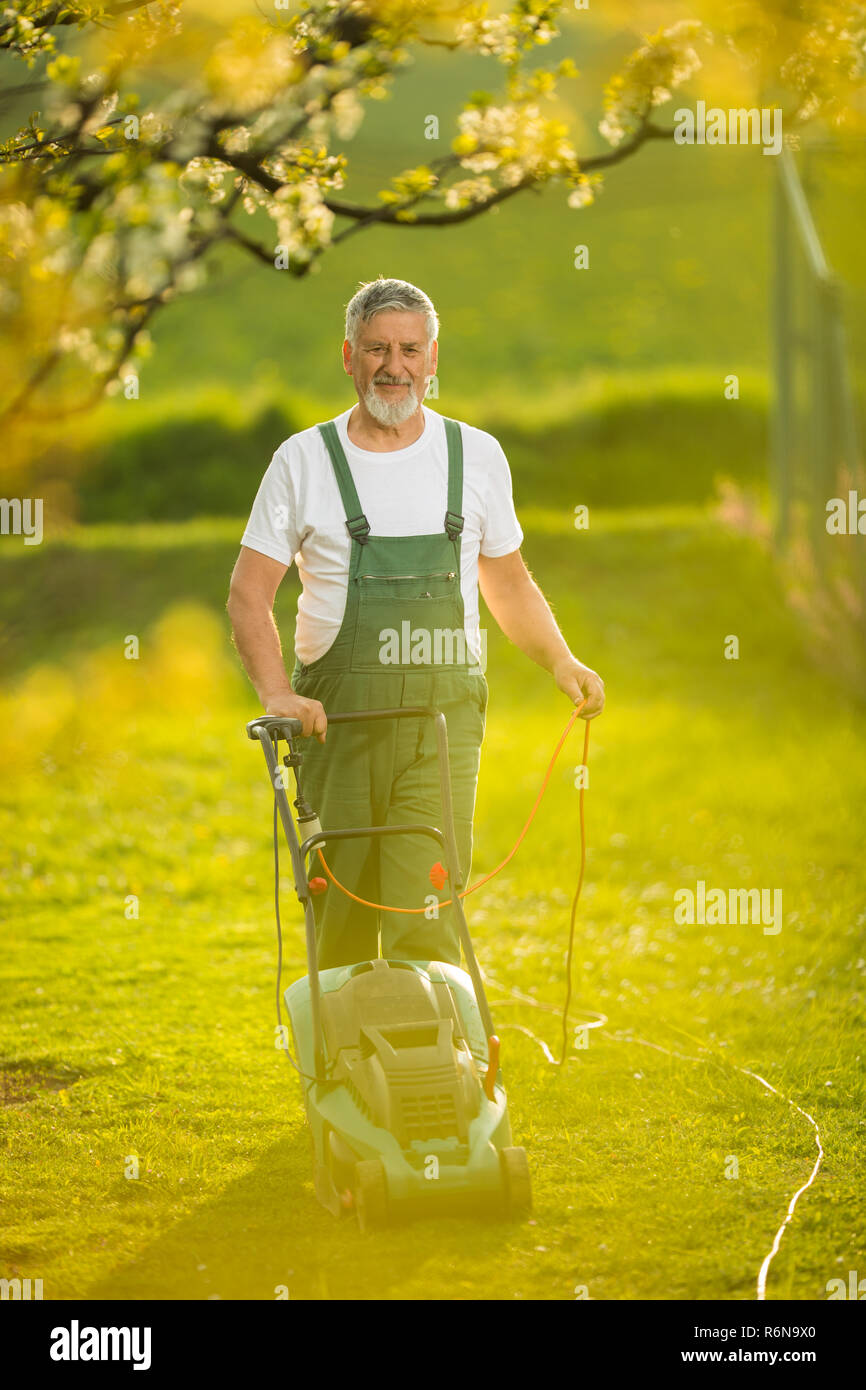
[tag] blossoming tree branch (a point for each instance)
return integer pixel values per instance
(149, 145)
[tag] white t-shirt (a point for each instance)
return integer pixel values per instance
(298, 515)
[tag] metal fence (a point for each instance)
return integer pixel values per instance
(818, 400)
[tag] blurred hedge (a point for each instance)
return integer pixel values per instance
(616, 440)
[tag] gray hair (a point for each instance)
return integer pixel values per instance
(380, 294)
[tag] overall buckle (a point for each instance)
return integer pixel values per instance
(453, 524)
(358, 528)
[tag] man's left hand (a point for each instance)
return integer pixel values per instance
(579, 682)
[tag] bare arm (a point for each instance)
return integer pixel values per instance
(254, 583)
(524, 615)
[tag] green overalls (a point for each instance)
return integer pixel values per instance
(403, 601)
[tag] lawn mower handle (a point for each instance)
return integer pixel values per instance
(263, 729)
(287, 728)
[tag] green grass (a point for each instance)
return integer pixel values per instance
(154, 1036)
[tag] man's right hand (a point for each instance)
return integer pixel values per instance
(311, 713)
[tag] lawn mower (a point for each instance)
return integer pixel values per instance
(398, 1059)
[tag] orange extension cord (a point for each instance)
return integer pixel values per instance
(471, 889)
(383, 907)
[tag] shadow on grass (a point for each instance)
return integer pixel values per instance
(267, 1230)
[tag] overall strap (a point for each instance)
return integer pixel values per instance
(356, 523)
(453, 516)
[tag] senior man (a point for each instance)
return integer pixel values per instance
(395, 516)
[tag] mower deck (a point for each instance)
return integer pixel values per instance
(403, 1125)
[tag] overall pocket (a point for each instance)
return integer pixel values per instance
(400, 586)
(409, 620)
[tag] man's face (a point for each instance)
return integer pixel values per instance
(391, 365)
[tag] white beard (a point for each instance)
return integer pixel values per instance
(391, 412)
